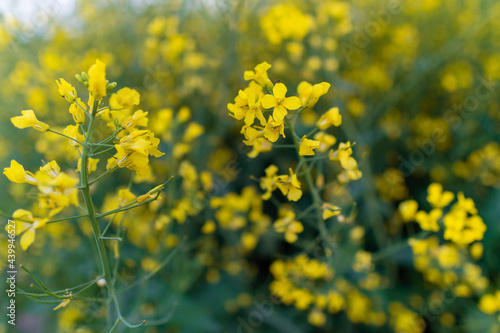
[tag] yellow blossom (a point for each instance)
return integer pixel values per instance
(249, 241)
(436, 197)
(307, 146)
(192, 131)
(16, 174)
(489, 303)
(259, 75)
(52, 169)
(309, 94)
(97, 80)
(73, 131)
(29, 225)
(289, 186)
(325, 141)
(288, 225)
(28, 119)
(124, 98)
(329, 210)
(209, 227)
(317, 318)
(133, 151)
(408, 209)
(279, 102)
(329, 118)
(429, 221)
(150, 194)
(139, 118)
(184, 114)
(274, 129)
(66, 90)
(77, 112)
(461, 228)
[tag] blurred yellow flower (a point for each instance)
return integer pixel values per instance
(28, 119)
(97, 80)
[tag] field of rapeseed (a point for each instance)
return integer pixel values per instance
(250, 166)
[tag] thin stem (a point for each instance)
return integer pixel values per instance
(310, 183)
(68, 137)
(85, 188)
(99, 152)
(152, 273)
(103, 174)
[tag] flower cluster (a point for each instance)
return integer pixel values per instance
(58, 190)
(461, 223)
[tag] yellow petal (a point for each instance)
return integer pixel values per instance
(97, 80)
(62, 304)
(279, 113)
(16, 174)
(27, 238)
(268, 101)
(292, 103)
(28, 119)
(279, 90)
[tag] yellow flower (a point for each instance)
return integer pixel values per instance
(16, 174)
(329, 118)
(73, 131)
(288, 225)
(418, 246)
(408, 209)
(429, 221)
(343, 153)
(139, 118)
(309, 95)
(437, 198)
(489, 303)
(462, 229)
(255, 139)
(249, 241)
(133, 151)
(268, 183)
(325, 141)
(77, 111)
(151, 194)
(289, 186)
(335, 302)
(285, 21)
(184, 114)
(316, 317)
(466, 204)
(51, 169)
(329, 210)
(362, 261)
(66, 90)
(124, 98)
(192, 131)
(29, 225)
(28, 119)
(97, 80)
(307, 146)
(259, 75)
(273, 129)
(279, 102)
(209, 227)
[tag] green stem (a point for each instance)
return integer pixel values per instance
(103, 174)
(85, 188)
(310, 183)
(68, 137)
